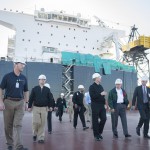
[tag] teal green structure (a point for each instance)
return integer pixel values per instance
(78, 59)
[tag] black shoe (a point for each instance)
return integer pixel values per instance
(10, 147)
(147, 136)
(138, 131)
(115, 135)
(97, 138)
(60, 119)
(75, 127)
(127, 135)
(100, 136)
(34, 138)
(84, 128)
(88, 120)
(49, 132)
(41, 141)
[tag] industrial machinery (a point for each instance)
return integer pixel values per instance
(136, 53)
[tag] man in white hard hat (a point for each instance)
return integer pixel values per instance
(79, 108)
(97, 95)
(118, 102)
(40, 101)
(16, 93)
(60, 104)
(141, 96)
(49, 115)
(19, 60)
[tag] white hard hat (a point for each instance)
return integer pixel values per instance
(144, 78)
(19, 60)
(118, 81)
(80, 87)
(47, 85)
(71, 95)
(42, 76)
(62, 94)
(96, 75)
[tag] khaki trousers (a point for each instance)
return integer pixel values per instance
(70, 111)
(13, 115)
(39, 121)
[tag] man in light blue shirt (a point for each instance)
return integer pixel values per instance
(88, 103)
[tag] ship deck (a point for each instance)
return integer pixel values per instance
(65, 137)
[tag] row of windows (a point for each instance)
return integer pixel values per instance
(68, 28)
(52, 34)
(58, 44)
(65, 36)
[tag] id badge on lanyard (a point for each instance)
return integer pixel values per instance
(17, 84)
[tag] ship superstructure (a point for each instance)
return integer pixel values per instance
(44, 35)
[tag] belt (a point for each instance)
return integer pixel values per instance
(14, 99)
(40, 106)
(120, 103)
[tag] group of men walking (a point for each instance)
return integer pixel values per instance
(41, 102)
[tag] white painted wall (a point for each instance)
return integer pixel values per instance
(28, 40)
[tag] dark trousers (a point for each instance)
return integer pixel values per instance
(49, 121)
(79, 111)
(98, 111)
(144, 118)
(119, 111)
(60, 113)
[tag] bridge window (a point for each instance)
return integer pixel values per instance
(54, 16)
(65, 18)
(49, 16)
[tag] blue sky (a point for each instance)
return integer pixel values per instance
(124, 12)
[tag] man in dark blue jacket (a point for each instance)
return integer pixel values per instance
(141, 96)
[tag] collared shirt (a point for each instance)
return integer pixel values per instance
(87, 98)
(119, 95)
(14, 85)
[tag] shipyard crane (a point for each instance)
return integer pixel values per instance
(136, 53)
(107, 44)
